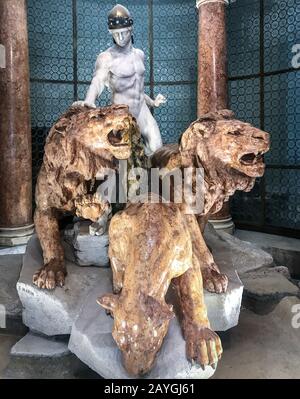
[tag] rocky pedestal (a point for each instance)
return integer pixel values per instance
(53, 312)
(10, 267)
(91, 341)
(264, 289)
(285, 250)
(73, 308)
(91, 338)
(229, 251)
(85, 249)
(36, 357)
(33, 345)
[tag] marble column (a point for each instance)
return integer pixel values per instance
(15, 132)
(212, 75)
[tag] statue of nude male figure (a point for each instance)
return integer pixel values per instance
(121, 69)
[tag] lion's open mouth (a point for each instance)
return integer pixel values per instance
(251, 158)
(118, 138)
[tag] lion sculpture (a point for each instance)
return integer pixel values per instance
(81, 144)
(230, 152)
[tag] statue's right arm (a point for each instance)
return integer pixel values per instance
(100, 77)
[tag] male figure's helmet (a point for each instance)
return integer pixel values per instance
(119, 17)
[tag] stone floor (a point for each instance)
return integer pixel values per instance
(263, 347)
(6, 342)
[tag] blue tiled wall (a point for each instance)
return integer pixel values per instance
(50, 39)
(178, 113)
(272, 102)
(244, 99)
(282, 118)
(281, 32)
(175, 40)
(243, 35)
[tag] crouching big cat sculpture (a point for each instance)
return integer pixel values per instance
(150, 246)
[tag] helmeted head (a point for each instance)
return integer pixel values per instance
(120, 25)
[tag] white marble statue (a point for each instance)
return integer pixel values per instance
(121, 69)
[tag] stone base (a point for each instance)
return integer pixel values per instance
(33, 345)
(17, 250)
(92, 342)
(285, 250)
(36, 357)
(10, 237)
(10, 268)
(264, 289)
(84, 249)
(229, 251)
(53, 312)
(10, 304)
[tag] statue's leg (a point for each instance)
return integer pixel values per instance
(202, 344)
(149, 130)
(54, 271)
(213, 280)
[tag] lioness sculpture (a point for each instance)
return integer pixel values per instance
(231, 155)
(81, 144)
(150, 245)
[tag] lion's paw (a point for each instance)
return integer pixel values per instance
(203, 346)
(51, 275)
(213, 280)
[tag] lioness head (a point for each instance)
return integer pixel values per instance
(138, 331)
(223, 142)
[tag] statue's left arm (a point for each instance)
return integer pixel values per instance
(160, 99)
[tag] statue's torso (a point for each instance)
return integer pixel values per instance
(126, 79)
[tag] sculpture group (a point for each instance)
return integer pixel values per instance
(152, 244)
